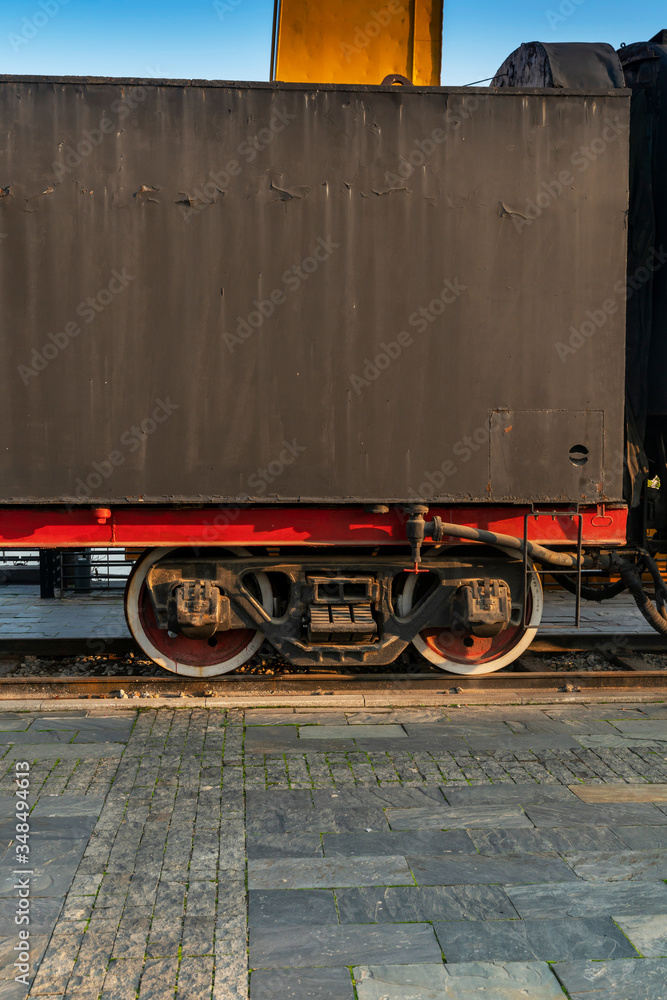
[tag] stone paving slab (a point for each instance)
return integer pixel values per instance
(277, 907)
(621, 793)
(508, 794)
(382, 796)
(342, 945)
(381, 731)
(279, 819)
(619, 742)
(497, 869)
(621, 980)
(642, 838)
(302, 984)
(428, 818)
(590, 815)
(408, 905)
(313, 873)
(62, 751)
(287, 845)
(647, 933)
(627, 866)
(586, 899)
(459, 981)
(533, 940)
(425, 842)
(560, 840)
(14, 724)
(70, 805)
(653, 727)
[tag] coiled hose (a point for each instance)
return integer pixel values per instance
(631, 576)
(629, 572)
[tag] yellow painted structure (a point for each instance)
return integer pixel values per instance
(359, 41)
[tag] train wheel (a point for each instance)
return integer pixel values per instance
(191, 657)
(459, 651)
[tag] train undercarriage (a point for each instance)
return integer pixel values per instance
(207, 613)
(348, 585)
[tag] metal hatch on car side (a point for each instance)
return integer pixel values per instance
(561, 450)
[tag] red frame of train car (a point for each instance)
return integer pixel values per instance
(139, 527)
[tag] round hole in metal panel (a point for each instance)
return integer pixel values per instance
(578, 454)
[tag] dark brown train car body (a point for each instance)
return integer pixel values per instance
(212, 292)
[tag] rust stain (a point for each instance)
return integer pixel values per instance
(145, 189)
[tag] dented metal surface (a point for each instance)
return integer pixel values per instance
(215, 292)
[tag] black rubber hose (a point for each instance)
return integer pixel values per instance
(629, 573)
(633, 581)
(599, 594)
(537, 553)
(648, 562)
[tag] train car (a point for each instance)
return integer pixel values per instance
(347, 362)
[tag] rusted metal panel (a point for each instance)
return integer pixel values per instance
(219, 292)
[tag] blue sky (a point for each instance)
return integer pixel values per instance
(231, 39)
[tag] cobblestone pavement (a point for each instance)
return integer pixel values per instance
(409, 854)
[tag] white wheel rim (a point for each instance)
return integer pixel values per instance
(158, 656)
(455, 666)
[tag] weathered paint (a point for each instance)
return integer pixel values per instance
(188, 204)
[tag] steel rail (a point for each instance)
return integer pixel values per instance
(328, 684)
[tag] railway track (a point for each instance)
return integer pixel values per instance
(323, 685)
(533, 675)
(320, 691)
